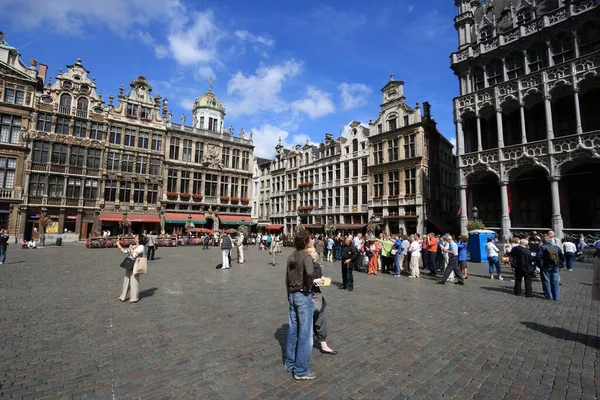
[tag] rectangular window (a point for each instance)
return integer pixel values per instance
(346, 196)
(393, 183)
(37, 185)
(197, 183)
(409, 146)
(379, 128)
(90, 190)
(210, 185)
(346, 169)
(245, 160)
(73, 188)
(213, 124)
(201, 122)
(96, 131)
(224, 186)
(562, 48)
(138, 192)
(143, 140)
(174, 149)
(234, 186)
(378, 185)
(184, 183)
(125, 192)
(40, 152)
(110, 190)
(56, 186)
(8, 166)
(355, 168)
(199, 153)
(338, 171)
(44, 122)
(80, 129)
(410, 181)
(225, 157)
(154, 167)
(244, 188)
(365, 170)
(393, 150)
(115, 135)
(129, 138)
(378, 152)
(59, 153)
(132, 110)
(10, 129)
(172, 180)
(187, 151)
(156, 142)
(140, 164)
(13, 96)
(127, 163)
(365, 194)
(112, 161)
(77, 156)
(329, 197)
(355, 190)
(406, 121)
(145, 114)
(62, 126)
(152, 196)
(392, 124)
(235, 159)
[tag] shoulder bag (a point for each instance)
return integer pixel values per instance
(140, 266)
(127, 263)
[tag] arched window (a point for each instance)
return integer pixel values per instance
(524, 15)
(537, 56)
(589, 38)
(355, 145)
(478, 78)
(515, 65)
(495, 72)
(562, 48)
(65, 104)
(485, 33)
(82, 104)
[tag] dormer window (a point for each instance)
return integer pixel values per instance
(84, 89)
(524, 16)
(67, 84)
(145, 114)
(132, 110)
(485, 33)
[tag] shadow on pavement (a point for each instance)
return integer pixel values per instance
(510, 290)
(564, 334)
(148, 292)
(281, 336)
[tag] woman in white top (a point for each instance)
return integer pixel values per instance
(132, 281)
(415, 256)
(446, 245)
(569, 248)
(493, 260)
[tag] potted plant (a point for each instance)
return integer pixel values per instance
(475, 224)
(235, 199)
(172, 195)
(185, 196)
(124, 223)
(245, 200)
(46, 221)
(224, 198)
(197, 197)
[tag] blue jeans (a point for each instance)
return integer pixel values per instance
(298, 347)
(494, 262)
(338, 254)
(397, 262)
(569, 257)
(550, 278)
(3, 254)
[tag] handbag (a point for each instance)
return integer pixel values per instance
(127, 263)
(141, 266)
(394, 252)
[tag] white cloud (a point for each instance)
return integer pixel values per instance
(354, 95)
(267, 136)
(453, 141)
(261, 91)
(316, 103)
(194, 40)
(249, 37)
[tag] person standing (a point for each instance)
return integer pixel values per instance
(452, 251)
(330, 243)
(429, 258)
(570, 249)
(226, 246)
(299, 283)
(493, 258)
(550, 257)
(404, 258)
(521, 260)
(3, 245)
(350, 257)
(151, 245)
(374, 248)
(131, 283)
(240, 247)
(415, 255)
(273, 250)
(320, 247)
(462, 256)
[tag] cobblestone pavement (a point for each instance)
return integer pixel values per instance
(202, 333)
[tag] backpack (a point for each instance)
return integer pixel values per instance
(551, 256)
(245, 241)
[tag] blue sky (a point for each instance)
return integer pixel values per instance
(295, 69)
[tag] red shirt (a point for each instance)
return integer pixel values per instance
(433, 245)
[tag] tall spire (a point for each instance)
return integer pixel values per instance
(210, 84)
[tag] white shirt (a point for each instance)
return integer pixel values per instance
(137, 251)
(569, 247)
(415, 249)
(492, 250)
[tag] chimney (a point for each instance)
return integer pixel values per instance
(427, 110)
(42, 71)
(328, 137)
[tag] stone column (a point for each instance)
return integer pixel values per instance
(500, 127)
(78, 222)
(22, 222)
(460, 143)
(526, 61)
(577, 111)
(479, 144)
(548, 112)
(464, 219)
(61, 221)
(550, 54)
(523, 126)
(506, 225)
(557, 221)
(575, 44)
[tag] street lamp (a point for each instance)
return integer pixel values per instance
(475, 212)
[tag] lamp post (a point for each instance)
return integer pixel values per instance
(43, 215)
(475, 212)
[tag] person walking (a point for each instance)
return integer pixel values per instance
(273, 249)
(131, 283)
(3, 245)
(319, 247)
(151, 245)
(493, 254)
(350, 256)
(452, 251)
(522, 261)
(550, 257)
(330, 243)
(299, 284)
(240, 247)
(226, 246)
(569, 249)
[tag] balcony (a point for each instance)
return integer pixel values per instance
(64, 110)
(11, 194)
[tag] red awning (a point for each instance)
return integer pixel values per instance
(350, 226)
(236, 219)
(183, 218)
(106, 216)
(274, 227)
(151, 218)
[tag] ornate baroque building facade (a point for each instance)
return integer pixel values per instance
(83, 165)
(527, 121)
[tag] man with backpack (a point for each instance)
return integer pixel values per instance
(550, 258)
